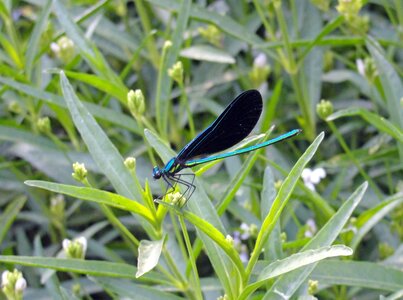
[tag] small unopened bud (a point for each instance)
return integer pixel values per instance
(176, 72)
(64, 49)
(76, 248)
(136, 102)
(283, 237)
(324, 109)
(229, 239)
(20, 285)
(13, 284)
(14, 107)
(212, 34)
(312, 287)
(44, 125)
(260, 70)
(167, 45)
(57, 206)
(80, 172)
(321, 4)
(130, 163)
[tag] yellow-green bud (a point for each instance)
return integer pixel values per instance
(57, 206)
(229, 239)
(276, 4)
(278, 184)
(130, 163)
(321, 4)
(167, 45)
(136, 102)
(312, 287)
(176, 72)
(212, 34)
(14, 107)
(348, 8)
(260, 71)
(13, 284)
(44, 125)
(324, 109)
(253, 230)
(176, 199)
(76, 248)
(283, 237)
(385, 250)
(80, 172)
(64, 49)
(328, 61)
(225, 297)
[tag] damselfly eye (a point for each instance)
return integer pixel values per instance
(157, 173)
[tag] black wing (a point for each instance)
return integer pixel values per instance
(232, 126)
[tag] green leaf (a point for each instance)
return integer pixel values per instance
(289, 283)
(359, 274)
(273, 248)
(164, 84)
(87, 267)
(101, 148)
(98, 111)
(391, 82)
(281, 200)
(207, 53)
(201, 205)
(380, 123)
(94, 195)
(125, 289)
(105, 85)
(295, 261)
(149, 254)
(41, 22)
(9, 214)
(368, 219)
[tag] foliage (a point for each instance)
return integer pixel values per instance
(96, 93)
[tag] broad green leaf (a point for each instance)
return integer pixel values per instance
(392, 86)
(201, 205)
(100, 112)
(32, 48)
(380, 123)
(126, 289)
(9, 214)
(81, 266)
(94, 195)
(105, 85)
(101, 148)
(368, 219)
(273, 248)
(281, 200)
(289, 283)
(359, 274)
(8, 133)
(207, 53)
(295, 261)
(149, 254)
(164, 83)
(391, 82)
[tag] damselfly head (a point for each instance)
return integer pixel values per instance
(157, 172)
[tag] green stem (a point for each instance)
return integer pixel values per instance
(145, 20)
(185, 103)
(196, 288)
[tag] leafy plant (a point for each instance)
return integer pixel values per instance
(79, 144)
